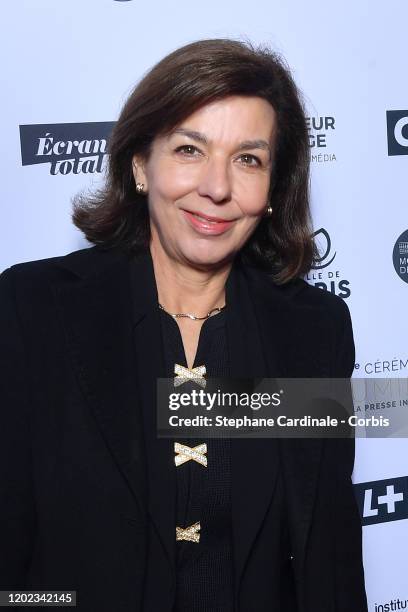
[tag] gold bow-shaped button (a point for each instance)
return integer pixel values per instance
(186, 453)
(184, 374)
(189, 533)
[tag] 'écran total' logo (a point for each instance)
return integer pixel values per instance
(323, 273)
(400, 256)
(69, 148)
(397, 132)
(381, 501)
(321, 130)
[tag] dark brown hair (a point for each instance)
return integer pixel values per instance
(181, 83)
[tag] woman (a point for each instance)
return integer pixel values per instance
(201, 236)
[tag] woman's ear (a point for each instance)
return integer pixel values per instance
(139, 173)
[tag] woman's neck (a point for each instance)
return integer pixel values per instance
(184, 288)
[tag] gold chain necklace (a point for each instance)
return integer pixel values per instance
(178, 315)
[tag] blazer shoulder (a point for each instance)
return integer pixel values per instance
(308, 312)
(327, 306)
(298, 293)
(322, 305)
(80, 263)
(42, 267)
(308, 295)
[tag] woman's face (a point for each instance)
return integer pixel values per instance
(208, 180)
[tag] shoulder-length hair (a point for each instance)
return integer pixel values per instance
(181, 83)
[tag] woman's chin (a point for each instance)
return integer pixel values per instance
(206, 258)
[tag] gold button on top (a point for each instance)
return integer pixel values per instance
(190, 534)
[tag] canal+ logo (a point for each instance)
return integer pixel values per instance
(68, 148)
(381, 501)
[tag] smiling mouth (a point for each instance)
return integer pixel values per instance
(208, 225)
(209, 219)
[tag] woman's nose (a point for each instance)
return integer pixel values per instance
(215, 181)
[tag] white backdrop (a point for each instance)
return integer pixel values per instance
(75, 62)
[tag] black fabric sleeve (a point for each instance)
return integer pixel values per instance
(17, 513)
(349, 572)
(344, 347)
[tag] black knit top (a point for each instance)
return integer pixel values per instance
(204, 568)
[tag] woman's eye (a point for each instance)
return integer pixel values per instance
(187, 150)
(250, 160)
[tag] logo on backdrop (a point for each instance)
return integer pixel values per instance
(68, 148)
(323, 273)
(397, 132)
(400, 256)
(381, 366)
(321, 130)
(392, 604)
(381, 501)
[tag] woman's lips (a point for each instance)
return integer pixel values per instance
(208, 226)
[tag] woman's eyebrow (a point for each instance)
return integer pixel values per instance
(191, 134)
(244, 145)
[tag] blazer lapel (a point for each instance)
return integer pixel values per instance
(268, 337)
(150, 366)
(288, 334)
(97, 317)
(254, 461)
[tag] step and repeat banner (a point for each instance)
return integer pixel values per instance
(69, 66)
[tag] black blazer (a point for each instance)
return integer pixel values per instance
(77, 333)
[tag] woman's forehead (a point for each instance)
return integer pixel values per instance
(242, 118)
